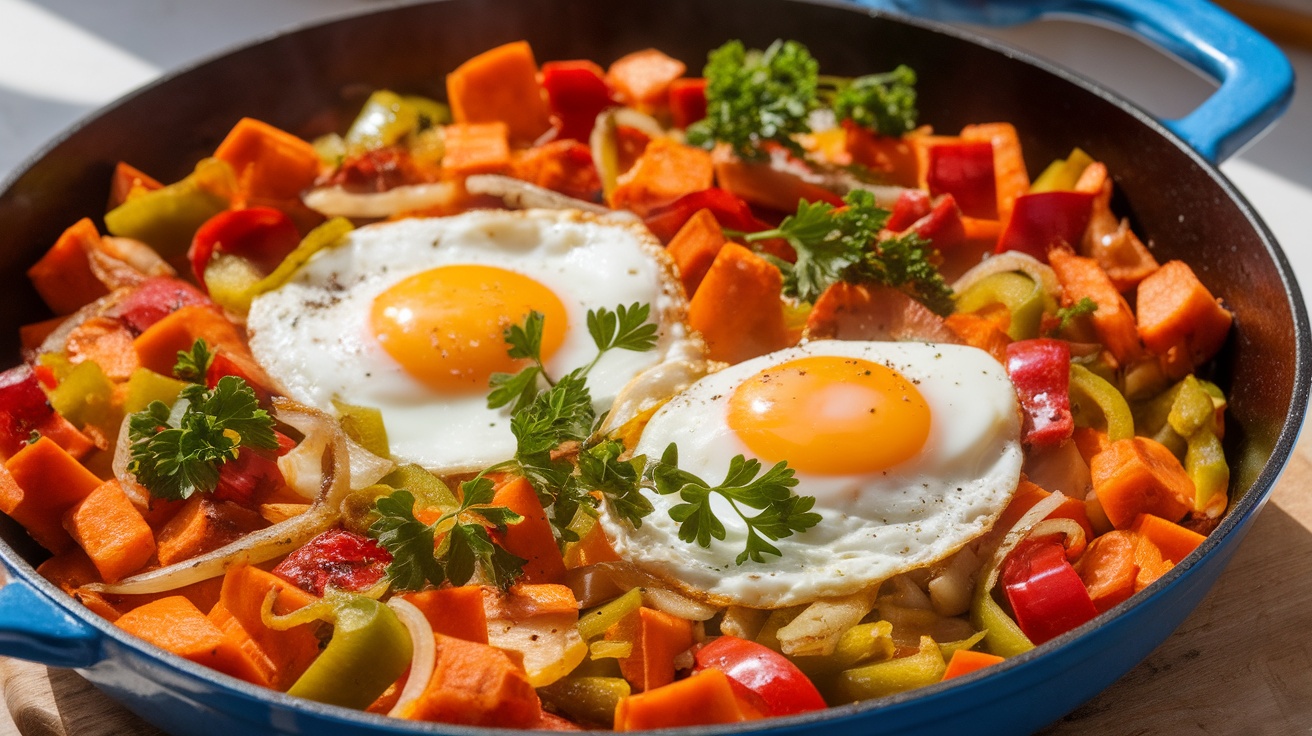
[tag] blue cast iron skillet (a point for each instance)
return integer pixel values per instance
(312, 81)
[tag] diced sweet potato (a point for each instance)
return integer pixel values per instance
(113, 533)
(737, 308)
(176, 625)
(38, 484)
(202, 525)
(63, 277)
(1179, 319)
(500, 85)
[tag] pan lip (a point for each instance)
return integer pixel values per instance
(1244, 511)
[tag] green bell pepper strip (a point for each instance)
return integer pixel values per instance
(1002, 635)
(1204, 461)
(1192, 410)
(952, 647)
(167, 218)
(384, 120)
(1022, 295)
(1092, 396)
(861, 644)
(364, 424)
(1062, 174)
(587, 699)
(86, 396)
(594, 622)
(326, 235)
(145, 386)
(369, 650)
(925, 667)
(428, 489)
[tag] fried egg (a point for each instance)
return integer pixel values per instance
(408, 317)
(911, 450)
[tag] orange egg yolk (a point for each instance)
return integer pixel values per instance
(446, 326)
(830, 415)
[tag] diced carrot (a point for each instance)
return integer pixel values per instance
(156, 511)
(1082, 277)
(275, 513)
(1012, 179)
(38, 484)
(592, 548)
(966, 661)
(128, 181)
(765, 184)
(203, 525)
(176, 625)
(77, 444)
(270, 163)
(737, 307)
(873, 312)
(980, 331)
(525, 601)
(657, 638)
(500, 85)
(69, 570)
(107, 342)
(1174, 541)
(532, 538)
(477, 685)
(1108, 569)
(285, 654)
(63, 277)
(157, 348)
(704, 699)
(1090, 441)
(1140, 476)
(893, 157)
(1179, 319)
(642, 79)
(1152, 565)
(30, 336)
(694, 247)
(563, 166)
(1028, 494)
(665, 171)
(476, 148)
(112, 532)
(1109, 240)
(454, 612)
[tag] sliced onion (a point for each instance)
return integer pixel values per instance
(366, 467)
(1009, 261)
(338, 202)
(319, 467)
(649, 388)
(1018, 532)
(667, 601)
(252, 549)
(425, 653)
(951, 589)
(520, 194)
(1074, 536)
(125, 262)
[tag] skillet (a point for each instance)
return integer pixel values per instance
(312, 81)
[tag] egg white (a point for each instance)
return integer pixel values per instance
(313, 335)
(874, 525)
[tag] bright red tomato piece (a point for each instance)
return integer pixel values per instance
(778, 684)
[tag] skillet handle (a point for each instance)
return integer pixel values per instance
(32, 627)
(1256, 80)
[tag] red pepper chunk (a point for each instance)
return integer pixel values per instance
(729, 210)
(965, 170)
(771, 681)
(1046, 595)
(576, 93)
(1044, 220)
(262, 235)
(340, 558)
(154, 299)
(687, 100)
(1040, 369)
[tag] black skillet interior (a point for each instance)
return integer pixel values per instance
(312, 82)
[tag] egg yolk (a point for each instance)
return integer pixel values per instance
(446, 326)
(830, 415)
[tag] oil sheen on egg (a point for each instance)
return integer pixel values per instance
(409, 316)
(911, 450)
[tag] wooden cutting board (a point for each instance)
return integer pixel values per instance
(1242, 663)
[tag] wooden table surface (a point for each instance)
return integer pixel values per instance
(1240, 664)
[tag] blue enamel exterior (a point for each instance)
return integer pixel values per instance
(40, 623)
(1256, 80)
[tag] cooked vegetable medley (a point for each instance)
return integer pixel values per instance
(614, 398)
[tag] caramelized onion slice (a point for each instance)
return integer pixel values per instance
(519, 194)
(424, 658)
(1007, 262)
(333, 201)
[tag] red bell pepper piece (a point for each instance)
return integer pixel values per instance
(222, 365)
(1043, 220)
(155, 299)
(774, 682)
(964, 169)
(576, 93)
(942, 225)
(1046, 595)
(1040, 369)
(337, 557)
(253, 475)
(687, 100)
(262, 235)
(729, 210)
(911, 205)
(23, 408)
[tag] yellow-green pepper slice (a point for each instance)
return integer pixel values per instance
(1062, 174)
(925, 667)
(370, 648)
(1092, 397)
(364, 424)
(145, 386)
(1002, 635)
(861, 644)
(86, 396)
(1204, 461)
(384, 120)
(594, 622)
(166, 219)
(587, 699)
(428, 489)
(1022, 295)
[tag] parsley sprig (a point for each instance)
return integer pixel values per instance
(454, 547)
(1066, 315)
(781, 513)
(194, 364)
(177, 452)
(843, 244)
(884, 103)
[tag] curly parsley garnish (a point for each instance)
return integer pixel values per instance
(781, 513)
(884, 103)
(842, 244)
(177, 452)
(194, 364)
(452, 548)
